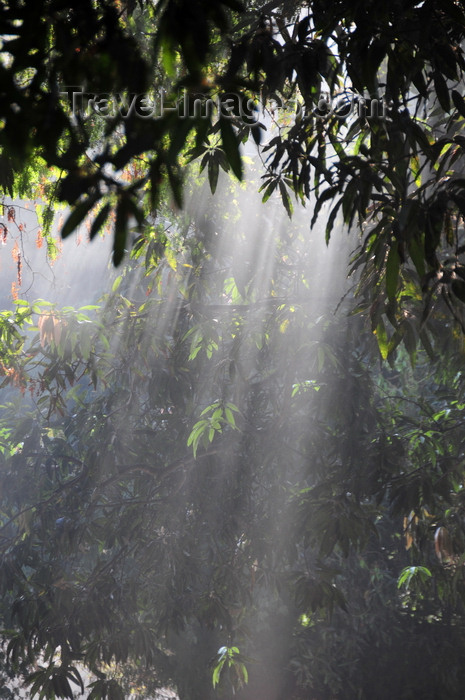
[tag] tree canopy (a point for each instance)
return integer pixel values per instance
(377, 130)
(210, 480)
(217, 496)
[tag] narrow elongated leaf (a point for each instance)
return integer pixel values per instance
(392, 272)
(231, 146)
(121, 229)
(416, 253)
(213, 171)
(270, 188)
(381, 337)
(176, 186)
(442, 91)
(459, 102)
(325, 196)
(99, 221)
(77, 215)
(332, 219)
(286, 199)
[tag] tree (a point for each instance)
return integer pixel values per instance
(396, 174)
(200, 485)
(211, 455)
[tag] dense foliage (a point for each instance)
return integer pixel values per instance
(204, 488)
(375, 120)
(208, 481)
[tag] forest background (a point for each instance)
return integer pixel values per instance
(234, 465)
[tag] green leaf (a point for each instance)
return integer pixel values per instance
(381, 337)
(216, 674)
(231, 146)
(176, 186)
(116, 283)
(416, 253)
(286, 199)
(442, 91)
(459, 102)
(179, 137)
(326, 195)
(413, 574)
(230, 417)
(392, 271)
(99, 221)
(270, 188)
(213, 171)
(415, 168)
(332, 219)
(77, 215)
(168, 55)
